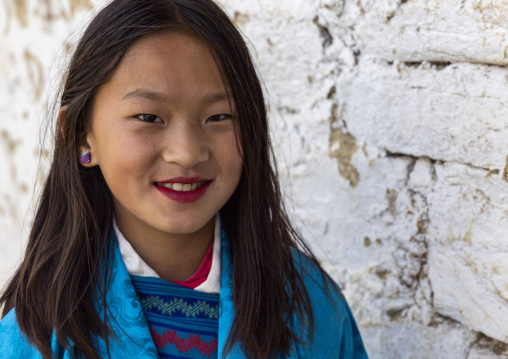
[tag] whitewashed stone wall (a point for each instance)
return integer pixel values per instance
(389, 121)
(36, 37)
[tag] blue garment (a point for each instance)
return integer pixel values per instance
(184, 322)
(335, 332)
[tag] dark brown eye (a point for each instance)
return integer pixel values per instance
(149, 118)
(217, 118)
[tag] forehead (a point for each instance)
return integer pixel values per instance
(175, 63)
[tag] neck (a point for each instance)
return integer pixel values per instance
(174, 257)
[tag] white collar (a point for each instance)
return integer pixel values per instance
(136, 265)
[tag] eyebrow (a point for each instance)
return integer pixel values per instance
(146, 94)
(161, 97)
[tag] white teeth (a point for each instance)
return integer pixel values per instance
(182, 187)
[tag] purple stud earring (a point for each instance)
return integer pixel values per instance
(85, 157)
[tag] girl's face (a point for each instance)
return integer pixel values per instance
(163, 134)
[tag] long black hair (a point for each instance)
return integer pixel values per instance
(56, 286)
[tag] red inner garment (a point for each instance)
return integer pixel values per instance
(202, 273)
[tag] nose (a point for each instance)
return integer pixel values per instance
(185, 145)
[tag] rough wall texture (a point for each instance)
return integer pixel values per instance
(35, 38)
(388, 118)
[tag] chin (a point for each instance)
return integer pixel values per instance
(183, 229)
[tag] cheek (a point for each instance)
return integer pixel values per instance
(235, 170)
(125, 159)
(232, 157)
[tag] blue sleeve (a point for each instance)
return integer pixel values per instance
(351, 344)
(336, 334)
(13, 343)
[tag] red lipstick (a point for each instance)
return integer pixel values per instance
(198, 185)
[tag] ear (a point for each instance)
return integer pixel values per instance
(87, 155)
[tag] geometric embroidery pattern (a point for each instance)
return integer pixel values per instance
(193, 341)
(178, 304)
(183, 322)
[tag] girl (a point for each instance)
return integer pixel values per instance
(160, 230)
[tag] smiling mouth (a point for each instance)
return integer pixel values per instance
(182, 187)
